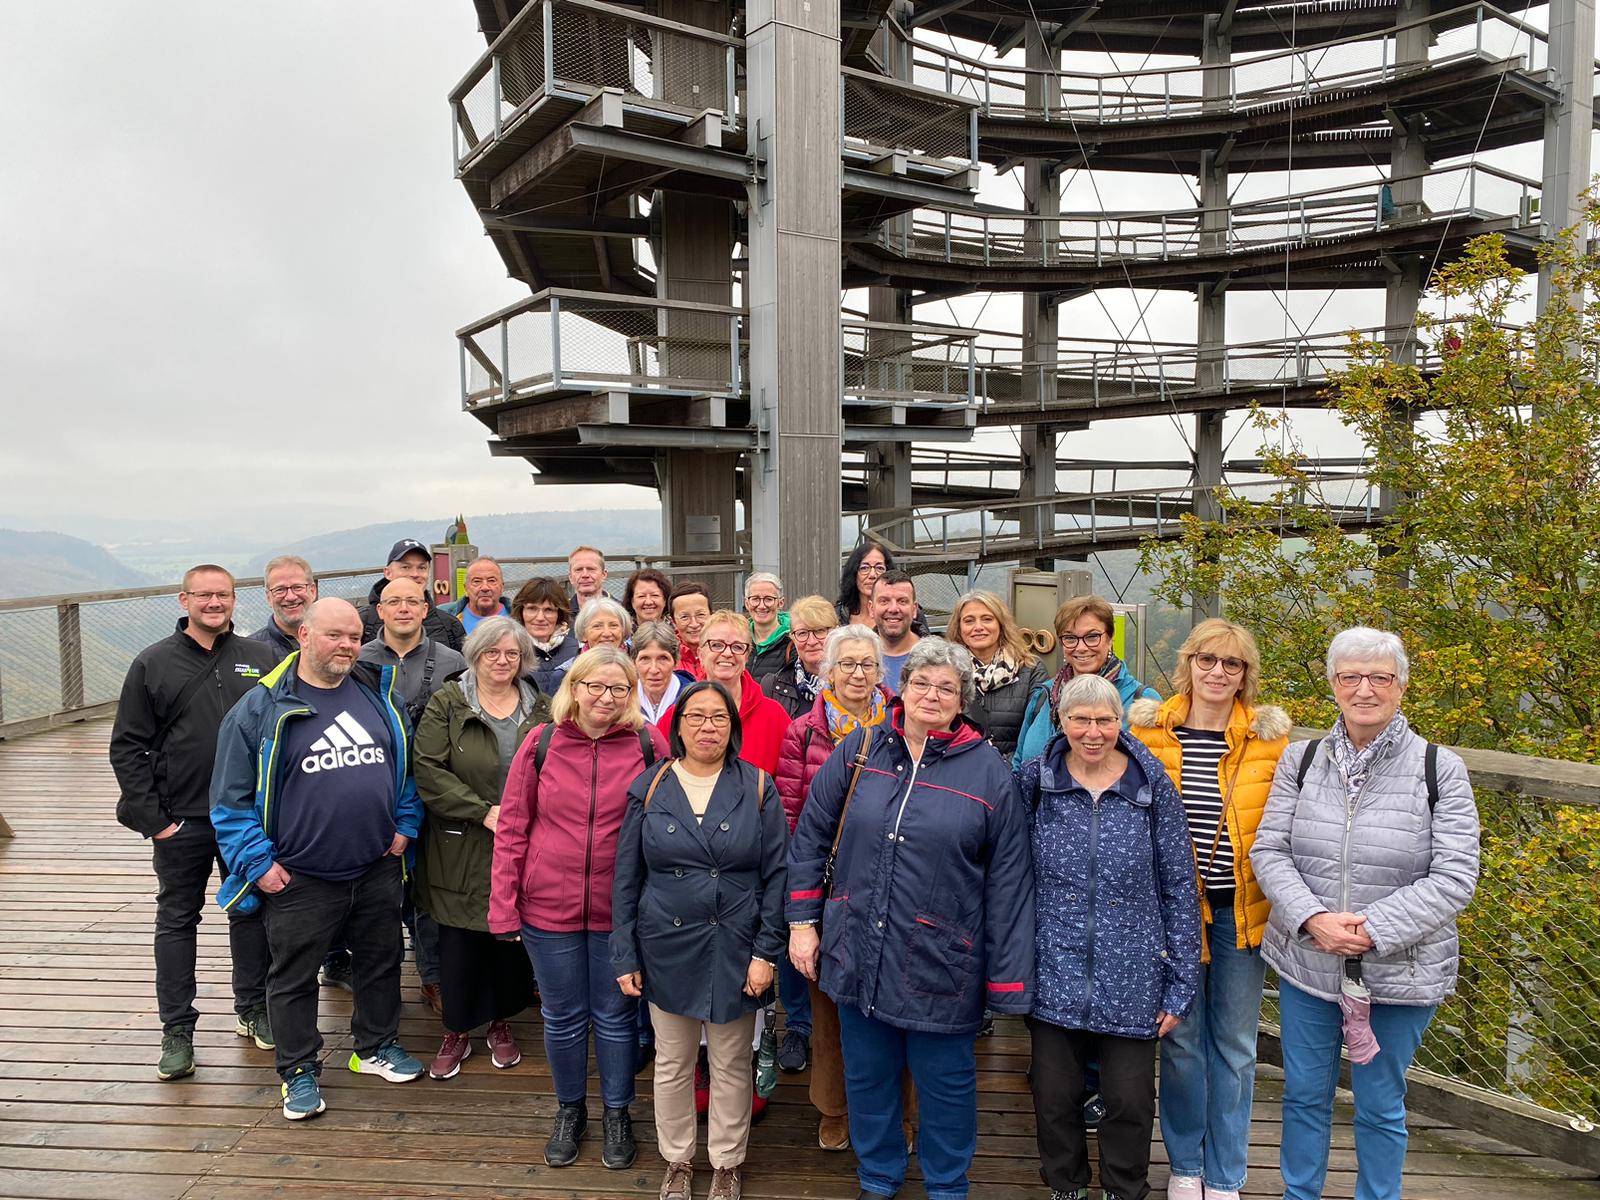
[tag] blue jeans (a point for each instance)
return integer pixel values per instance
(796, 997)
(944, 1067)
(1208, 1064)
(577, 992)
(1312, 1035)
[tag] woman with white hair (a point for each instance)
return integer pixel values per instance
(763, 603)
(1118, 951)
(1368, 851)
(912, 854)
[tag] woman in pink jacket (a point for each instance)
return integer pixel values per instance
(555, 852)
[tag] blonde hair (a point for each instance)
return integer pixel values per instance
(565, 705)
(1224, 639)
(815, 611)
(726, 616)
(1011, 639)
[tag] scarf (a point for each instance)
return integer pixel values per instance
(1354, 765)
(809, 685)
(546, 645)
(841, 721)
(654, 712)
(996, 673)
(1111, 670)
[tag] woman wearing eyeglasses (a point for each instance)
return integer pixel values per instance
(1085, 626)
(1118, 938)
(1221, 749)
(797, 679)
(1368, 851)
(699, 927)
(726, 643)
(926, 913)
(555, 852)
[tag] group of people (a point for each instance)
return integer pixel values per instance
(660, 820)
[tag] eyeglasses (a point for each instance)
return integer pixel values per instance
(282, 590)
(715, 720)
(403, 602)
(920, 687)
(763, 601)
(871, 569)
(208, 597)
(1230, 666)
(1091, 640)
(718, 646)
(504, 655)
(618, 691)
(850, 668)
(1084, 724)
(808, 635)
(1381, 681)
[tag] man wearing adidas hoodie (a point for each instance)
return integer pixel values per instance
(314, 807)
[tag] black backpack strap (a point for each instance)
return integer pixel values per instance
(761, 790)
(647, 748)
(543, 748)
(428, 664)
(1305, 763)
(1430, 773)
(180, 705)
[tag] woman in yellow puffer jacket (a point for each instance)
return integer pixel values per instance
(1221, 749)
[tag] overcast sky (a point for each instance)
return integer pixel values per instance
(232, 257)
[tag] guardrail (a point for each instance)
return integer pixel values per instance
(1476, 31)
(1466, 191)
(885, 363)
(879, 114)
(63, 657)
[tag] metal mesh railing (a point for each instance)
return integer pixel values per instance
(901, 363)
(580, 47)
(566, 339)
(884, 114)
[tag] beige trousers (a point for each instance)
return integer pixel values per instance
(728, 1118)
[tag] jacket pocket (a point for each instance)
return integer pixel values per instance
(939, 959)
(838, 942)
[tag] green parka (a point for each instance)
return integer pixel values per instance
(457, 759)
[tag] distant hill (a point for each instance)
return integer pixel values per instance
(39, 564)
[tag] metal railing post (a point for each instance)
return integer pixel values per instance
(505, 359)
(69, 648)
(494, 87)
(555, 342)
(548, 16)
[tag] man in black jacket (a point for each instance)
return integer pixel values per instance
(410, 559)
(163, 746)
(291, 588)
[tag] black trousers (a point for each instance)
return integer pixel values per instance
(302, 922)
(1128, 1087)
(481, 978)
(183, 876)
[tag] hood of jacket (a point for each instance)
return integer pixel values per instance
(1266, 721)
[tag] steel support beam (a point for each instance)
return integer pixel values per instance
(792, 290)
(1569, 123)
(1041, 186)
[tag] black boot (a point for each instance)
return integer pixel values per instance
(571, 1121)
(619, 1151)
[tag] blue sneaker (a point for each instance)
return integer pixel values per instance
(389, 1061)
(302, 1097)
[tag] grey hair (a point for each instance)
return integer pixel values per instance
(654, 633)
(592, 608)
(763, 577)
(486, 635)
(936, 652)
(1362, 643)
(841, 634)
(1093, 691)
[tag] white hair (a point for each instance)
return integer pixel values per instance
(839, 635)
(936, 652)
(1090, 691)
(1365, 644)
(763, 577)
(592, 608)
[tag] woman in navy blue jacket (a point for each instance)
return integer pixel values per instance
(697, 925)
(1118, 937)
(929, 916)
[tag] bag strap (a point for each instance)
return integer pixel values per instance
(1222, 822)
(1305, 763)
(654, 783)
(761, 790)
(543, 748)
(191, 689)
(1430, 773)
(428, 664)
(855, 778)
(647, 748)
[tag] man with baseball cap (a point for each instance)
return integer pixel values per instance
(410, 559)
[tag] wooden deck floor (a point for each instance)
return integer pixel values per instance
(82, 1114)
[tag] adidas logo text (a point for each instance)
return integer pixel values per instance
(343, 744)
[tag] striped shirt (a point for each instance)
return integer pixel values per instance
(1203, 751)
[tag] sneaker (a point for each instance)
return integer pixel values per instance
(1094, 1111)
(702, 1083)
(833, 1133)
(1069, 1194)
(725, 1184)
(389, 1061)
(455, 1050)
(795, 1054)
(433, 997)
(1186, 1187)
(302, 1097)
(177, 1055)
(254, 1024)
(1220, 1194)
(562, 1148)
(678, 1183)
(616, 1130)
(503, 1049)
(335, 972)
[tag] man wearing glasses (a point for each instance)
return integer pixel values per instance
(291, 589)
(163, 745)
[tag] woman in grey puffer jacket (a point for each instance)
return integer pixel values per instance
(1367, 867)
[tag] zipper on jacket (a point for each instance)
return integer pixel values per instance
(1094, 892)
(270, 765)
(1350, 806)
(905, 799)
(594, 804)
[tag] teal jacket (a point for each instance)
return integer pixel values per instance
(1039, 723)
(248, 773)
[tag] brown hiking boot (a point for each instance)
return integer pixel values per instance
(433, 997)
(833, 1133)
(679, 1181)
(726, 1184)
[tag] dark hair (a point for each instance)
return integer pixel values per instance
(647, 575)
(542, 590)
(689, 587)
(735, 729)
(849, 592)
(895, 578)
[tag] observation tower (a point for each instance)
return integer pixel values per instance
(739, 226)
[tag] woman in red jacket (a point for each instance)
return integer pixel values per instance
(726, 643)
(555, 852)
